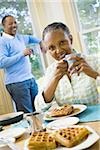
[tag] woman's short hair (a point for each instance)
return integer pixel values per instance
(55, 26)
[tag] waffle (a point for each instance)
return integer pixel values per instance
(62, 111)
(70, 137)
(41, 141)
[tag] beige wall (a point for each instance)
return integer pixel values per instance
(44, 12)
(5, 100)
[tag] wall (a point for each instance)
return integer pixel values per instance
(5, 100)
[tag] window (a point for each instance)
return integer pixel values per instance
(19, 9)
(88, 12)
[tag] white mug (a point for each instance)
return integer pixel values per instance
(71, 61)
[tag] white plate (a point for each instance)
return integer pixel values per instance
(79, 106)
(3, 144)
(12, 132)
(62, 123)
(91, 139)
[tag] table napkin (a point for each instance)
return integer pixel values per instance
(92, 113)
(21, 124)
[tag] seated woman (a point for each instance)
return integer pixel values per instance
(63, 82)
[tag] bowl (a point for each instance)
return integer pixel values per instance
(10, 118)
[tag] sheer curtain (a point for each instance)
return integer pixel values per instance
(44, 12)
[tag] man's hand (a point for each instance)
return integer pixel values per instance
(27, 51)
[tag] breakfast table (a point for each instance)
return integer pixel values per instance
(20, 142)
(95, 125)
(93, 122)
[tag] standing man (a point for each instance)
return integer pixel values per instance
(14, 59)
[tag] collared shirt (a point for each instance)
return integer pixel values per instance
(7, 35)
(17, 67)
(82, 89)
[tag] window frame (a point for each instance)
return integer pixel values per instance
(81, 31)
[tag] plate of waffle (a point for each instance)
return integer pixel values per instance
(57, 112)
(70, 138)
